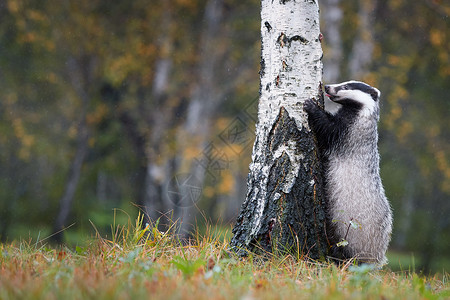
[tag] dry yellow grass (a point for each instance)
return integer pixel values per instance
(149, 264)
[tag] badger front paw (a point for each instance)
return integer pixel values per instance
(310, 105)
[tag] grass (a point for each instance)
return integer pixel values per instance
(146, 263)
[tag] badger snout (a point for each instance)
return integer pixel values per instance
(329, 91)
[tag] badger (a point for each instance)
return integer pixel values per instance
(359, 216)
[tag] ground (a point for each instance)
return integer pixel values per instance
(146, 263)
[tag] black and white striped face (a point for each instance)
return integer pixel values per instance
(355, 93)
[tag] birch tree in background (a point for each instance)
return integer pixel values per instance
(205, 99)
(283, 208)
(158, 167)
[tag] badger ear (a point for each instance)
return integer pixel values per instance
(375, 94)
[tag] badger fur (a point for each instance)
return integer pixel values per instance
(358, 211)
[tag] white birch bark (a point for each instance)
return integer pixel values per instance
(291, 54)
(291, 71)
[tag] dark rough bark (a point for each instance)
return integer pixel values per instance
(292, 222)
(284, 208)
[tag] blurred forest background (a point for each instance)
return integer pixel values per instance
(151, 105)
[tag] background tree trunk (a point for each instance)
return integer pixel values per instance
(332, 16)
(80, 74)
(284, 205)
(205, 99)
(363, 45)
(160, 121)
(158, 164)
(333, 60)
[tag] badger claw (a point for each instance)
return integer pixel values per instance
(309, 105)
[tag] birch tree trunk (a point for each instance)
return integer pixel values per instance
(283, 210)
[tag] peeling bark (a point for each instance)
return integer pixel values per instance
(283, 210)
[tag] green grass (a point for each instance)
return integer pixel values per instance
(138, 263)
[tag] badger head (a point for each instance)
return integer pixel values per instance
(358, 95)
